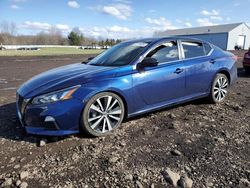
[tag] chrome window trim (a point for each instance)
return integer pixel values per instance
(211, 51)
(180, 50)
(154, 47)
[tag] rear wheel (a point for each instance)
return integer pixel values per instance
(219, 88)
(103, 113)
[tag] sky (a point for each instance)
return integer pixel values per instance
(120, 18)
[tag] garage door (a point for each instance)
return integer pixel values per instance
(241, 41)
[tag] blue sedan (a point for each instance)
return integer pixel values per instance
(129, 79)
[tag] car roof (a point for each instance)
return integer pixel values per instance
(158, 39)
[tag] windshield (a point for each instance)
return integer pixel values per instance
(119, 55)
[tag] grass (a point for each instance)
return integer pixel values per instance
(48, 52)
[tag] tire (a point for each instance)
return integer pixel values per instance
(247, 70)
(219, 89)
(102, 114)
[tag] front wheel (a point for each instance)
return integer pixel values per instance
(219, 88)
(103, 113)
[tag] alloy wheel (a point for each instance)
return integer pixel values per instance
(220, 88)
(105, 114)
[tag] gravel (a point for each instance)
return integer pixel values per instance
(24, 175)
(190, 145)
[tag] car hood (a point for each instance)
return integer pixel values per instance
(63, 77)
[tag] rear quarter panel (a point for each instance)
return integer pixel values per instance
(225, 63)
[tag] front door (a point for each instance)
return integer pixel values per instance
(162, 83)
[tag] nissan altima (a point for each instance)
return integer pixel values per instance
(131, 78)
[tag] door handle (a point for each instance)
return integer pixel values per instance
(178, 71)
(212, 61)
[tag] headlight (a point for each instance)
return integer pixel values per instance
(55, 96)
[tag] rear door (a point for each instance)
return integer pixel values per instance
(199, 66)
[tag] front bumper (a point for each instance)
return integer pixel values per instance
(246, 62)
(54, 119)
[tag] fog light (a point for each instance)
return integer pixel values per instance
(49, 118)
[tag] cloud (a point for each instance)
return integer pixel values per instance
(43, 26)
(219, 18)
(236, 4)
(119, 11)
(210, 13)
(116, 28)
(123, 1)
(108, 32)
(152, 11)
(35, 25)
(161, 23)
(73, 4)
(119, 32)
(205, 22)
(188, 24)
(97, 32)
(113, 31)
(184, 23)
(14, 7)
(63, 27)
(211, 17)
(18, 1)
(178, 21)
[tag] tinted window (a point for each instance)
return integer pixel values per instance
(165, 52)
(193, 49)
(207, 48)
(120, 54)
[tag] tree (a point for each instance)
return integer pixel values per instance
(101, 43)
(55, 36)
(117, 41)
(107, 43)
(9, 28)
(52, 36)
(74, 38)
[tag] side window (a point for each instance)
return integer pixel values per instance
(207, 48)
(193, 49)
(166, 52)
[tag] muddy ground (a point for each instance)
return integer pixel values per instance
(210, 144)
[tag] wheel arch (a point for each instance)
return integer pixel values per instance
(226, 73)
(221, 71)
(123, 100)
(111, 90)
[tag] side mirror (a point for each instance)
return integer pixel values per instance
(148, 62)
(88, 60)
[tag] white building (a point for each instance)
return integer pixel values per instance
(225, 36)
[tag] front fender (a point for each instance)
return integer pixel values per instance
(120, 85)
